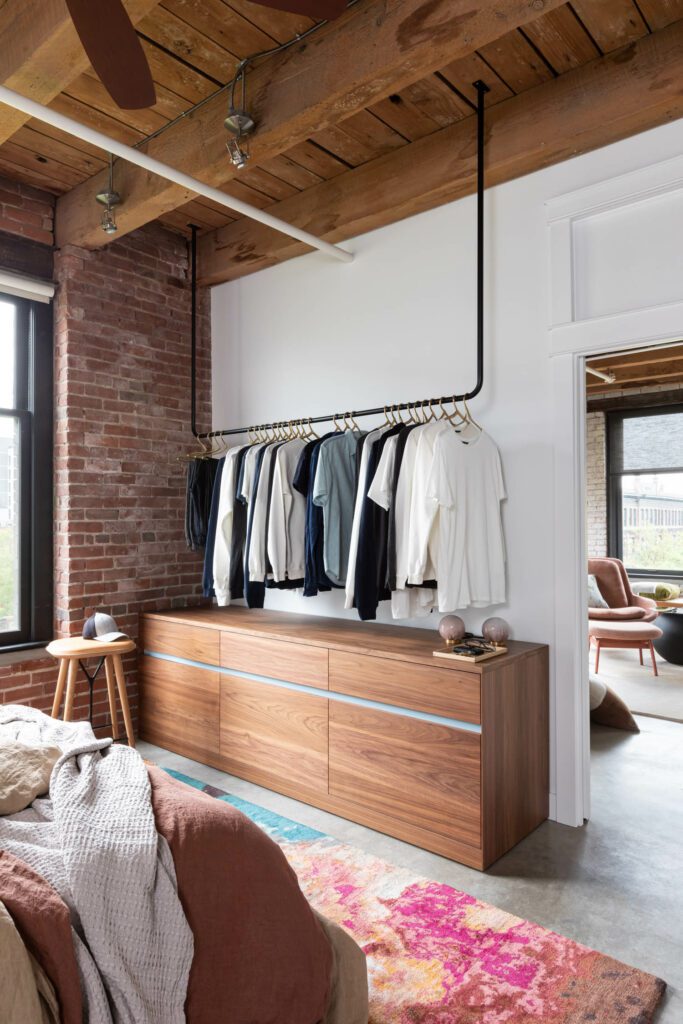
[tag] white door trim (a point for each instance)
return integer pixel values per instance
(570, 341)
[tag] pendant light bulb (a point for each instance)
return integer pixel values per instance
(109, 198)
(239, 122)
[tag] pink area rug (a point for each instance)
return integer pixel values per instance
(438, 956)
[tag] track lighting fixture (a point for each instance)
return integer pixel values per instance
(109, 198)
(239, 122)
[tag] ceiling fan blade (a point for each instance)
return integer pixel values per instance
(319, 10)
(115, 53)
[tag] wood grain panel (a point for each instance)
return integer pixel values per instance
(514, 60)
(660, 13)
(293, 663)
(179, 707)
(282, 732)
(562, 39)
(195, 643)
(402, 643)
(437, 691)
(515, 752)
(612, 24)
(407, 771)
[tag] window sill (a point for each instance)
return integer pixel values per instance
(13, 655)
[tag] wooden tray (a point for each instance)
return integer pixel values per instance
(471, 658)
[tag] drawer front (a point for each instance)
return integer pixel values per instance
(196, 643)
(277, 659)
(438, 691)
(410, 771)
(277, 732)
(179, 707)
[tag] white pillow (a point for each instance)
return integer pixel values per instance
(595, 598)
(24, 774)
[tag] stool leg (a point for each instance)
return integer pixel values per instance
(654, 660)
(111, 691)
(59, 692)
(70, 689)
(640, 652)
(123, 697)
(597, 656)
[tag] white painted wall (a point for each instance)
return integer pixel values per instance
(312, 336)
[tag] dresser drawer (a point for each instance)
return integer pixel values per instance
(438, 691)
(407, 771)
(280, 734)
(277, 659)
(195, 643)
(179, 707)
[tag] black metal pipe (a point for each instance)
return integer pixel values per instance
(482, 89)
(193, 329)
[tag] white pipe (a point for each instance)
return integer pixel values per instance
(609, 378)
(135, 156)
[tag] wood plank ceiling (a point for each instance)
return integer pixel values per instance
(193, 47)
(654, 367)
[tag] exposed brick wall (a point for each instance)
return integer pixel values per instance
(596, 485)
(122, 410)
(26, 212)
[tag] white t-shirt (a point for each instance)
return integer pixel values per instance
(223, 541)
(466, 488)
(287, 522)
(380, 490)
(422, 534)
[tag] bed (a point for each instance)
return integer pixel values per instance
(126, 895)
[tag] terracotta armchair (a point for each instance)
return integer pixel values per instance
(616, 589)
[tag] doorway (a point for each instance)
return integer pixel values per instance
(633, 487)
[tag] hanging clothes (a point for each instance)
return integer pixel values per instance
(228, 524)
(466, 488)
(207, 578)
(254, 592)
(371, 562)
(256, 543)
(199, 490)
(362, 455)
(286, 528)
(334, 491)
(303, 481)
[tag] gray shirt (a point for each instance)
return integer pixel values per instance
(334, 490)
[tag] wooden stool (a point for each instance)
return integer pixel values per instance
(70, 653)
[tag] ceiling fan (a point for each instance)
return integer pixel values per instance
(117, 55)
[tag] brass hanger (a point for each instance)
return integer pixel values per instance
(469, 415)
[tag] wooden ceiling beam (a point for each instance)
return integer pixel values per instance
(643, 357)
(375, 49)
(40, 52)
(611, 98)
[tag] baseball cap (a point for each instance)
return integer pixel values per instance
(102, 627)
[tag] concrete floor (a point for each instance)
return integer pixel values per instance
(614, 885)
(646, 694)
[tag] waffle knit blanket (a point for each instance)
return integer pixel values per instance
(95, 840)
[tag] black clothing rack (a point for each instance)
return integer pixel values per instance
(482, 89)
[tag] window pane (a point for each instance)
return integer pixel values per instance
(652, 517)
(7, 352)
(9, 524)
(649, 442)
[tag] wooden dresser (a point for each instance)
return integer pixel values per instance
(359, 719)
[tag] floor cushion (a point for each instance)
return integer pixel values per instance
(607, 707)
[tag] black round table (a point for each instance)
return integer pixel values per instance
(670, 644)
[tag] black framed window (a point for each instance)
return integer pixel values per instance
(645, 489)
(26, 521)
